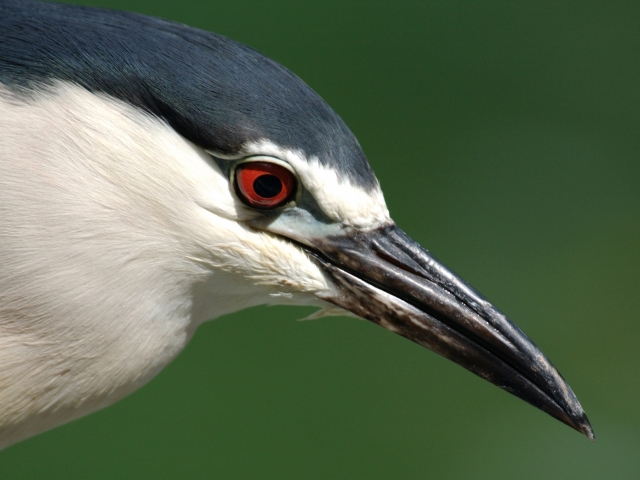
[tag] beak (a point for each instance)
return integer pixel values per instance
(386, 277)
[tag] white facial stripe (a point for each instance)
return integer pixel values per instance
(339, 199)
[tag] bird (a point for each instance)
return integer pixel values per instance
(154, 176)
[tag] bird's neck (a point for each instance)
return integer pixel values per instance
(98, 290)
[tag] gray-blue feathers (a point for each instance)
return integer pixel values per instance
(215, 92)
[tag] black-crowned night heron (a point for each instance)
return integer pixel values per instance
(154, 176)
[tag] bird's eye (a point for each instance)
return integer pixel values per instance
(264, 184)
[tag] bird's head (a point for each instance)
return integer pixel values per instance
(285, 202)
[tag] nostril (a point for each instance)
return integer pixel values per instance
(407, 263)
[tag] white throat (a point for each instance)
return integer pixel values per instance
(117, 238)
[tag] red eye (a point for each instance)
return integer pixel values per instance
(264, 184)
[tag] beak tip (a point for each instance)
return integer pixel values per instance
(588, 430)
(575, 417)
(581, 424)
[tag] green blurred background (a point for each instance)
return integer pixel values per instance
(505, 136)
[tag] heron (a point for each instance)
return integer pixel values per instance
(154, 176)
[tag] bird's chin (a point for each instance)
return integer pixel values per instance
(387, 278)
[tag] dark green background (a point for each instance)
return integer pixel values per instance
(505, 136)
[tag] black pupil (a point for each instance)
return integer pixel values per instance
(267, 186)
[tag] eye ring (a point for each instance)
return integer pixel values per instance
(264, 185)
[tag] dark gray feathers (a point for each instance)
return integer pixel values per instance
(215, 92)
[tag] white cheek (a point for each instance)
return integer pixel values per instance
(213, 189)
(117, 238)
(342, 201)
